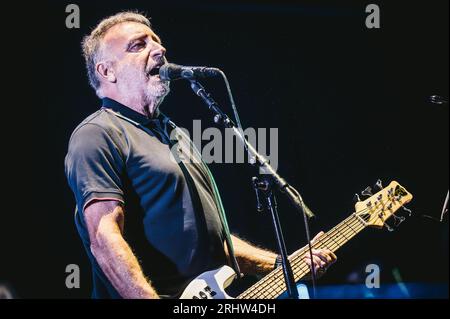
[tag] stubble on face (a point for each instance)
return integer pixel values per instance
(157, 89)
(137, 72)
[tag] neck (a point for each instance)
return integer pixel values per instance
(272, 285)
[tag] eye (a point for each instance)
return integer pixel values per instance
(137, 46)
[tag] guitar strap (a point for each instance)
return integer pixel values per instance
(217, 197)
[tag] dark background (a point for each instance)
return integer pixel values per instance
(350, 104)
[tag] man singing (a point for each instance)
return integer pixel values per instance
(149, 224)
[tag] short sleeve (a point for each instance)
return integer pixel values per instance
(94, 165)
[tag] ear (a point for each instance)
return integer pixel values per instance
(105, 71)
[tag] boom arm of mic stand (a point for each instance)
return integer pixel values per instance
(220, 117)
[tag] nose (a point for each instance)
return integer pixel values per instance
(158, 52)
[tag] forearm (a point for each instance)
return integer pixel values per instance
(252, 259)
(119, 263)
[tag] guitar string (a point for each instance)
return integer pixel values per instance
(331, 240)
(349, 231)
(297, 261)
(326, 240)
(276, 274)
(299, 264)
(273, 276)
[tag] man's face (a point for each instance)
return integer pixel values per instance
(136, 54)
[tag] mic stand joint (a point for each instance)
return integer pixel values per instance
(264, 185)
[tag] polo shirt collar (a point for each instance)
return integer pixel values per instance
(132, 114)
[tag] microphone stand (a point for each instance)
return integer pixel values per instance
(265, 184)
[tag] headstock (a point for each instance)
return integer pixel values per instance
(375, 210)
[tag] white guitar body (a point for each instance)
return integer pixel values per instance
(210, 284)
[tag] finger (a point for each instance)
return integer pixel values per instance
(317, 236)
(318, 270)
(333, 256)
(308, 262)
(318, 263)
(322, 255)
(319, 253)
(330, 255)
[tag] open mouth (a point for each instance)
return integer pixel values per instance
(154, 71)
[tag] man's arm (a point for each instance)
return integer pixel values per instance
(255, 260)
(252, 259)
(104, 221)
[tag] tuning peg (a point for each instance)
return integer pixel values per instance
(367, 191)
(389, 228)
(398, 220)
(378, 185)
(356, 198)
(406, 209)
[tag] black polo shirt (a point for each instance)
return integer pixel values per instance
(172, 220)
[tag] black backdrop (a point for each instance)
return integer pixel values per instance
(350, 104)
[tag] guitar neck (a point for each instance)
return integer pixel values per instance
(273, 285)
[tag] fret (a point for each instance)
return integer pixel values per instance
(272, 285)
(350, 227)
(332, 239)
(340, 237)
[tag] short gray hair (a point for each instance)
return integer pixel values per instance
(91, 43)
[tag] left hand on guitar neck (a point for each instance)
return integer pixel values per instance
(323, 258)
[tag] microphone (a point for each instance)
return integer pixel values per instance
(170, 71)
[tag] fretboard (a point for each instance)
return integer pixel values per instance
(273, 285)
